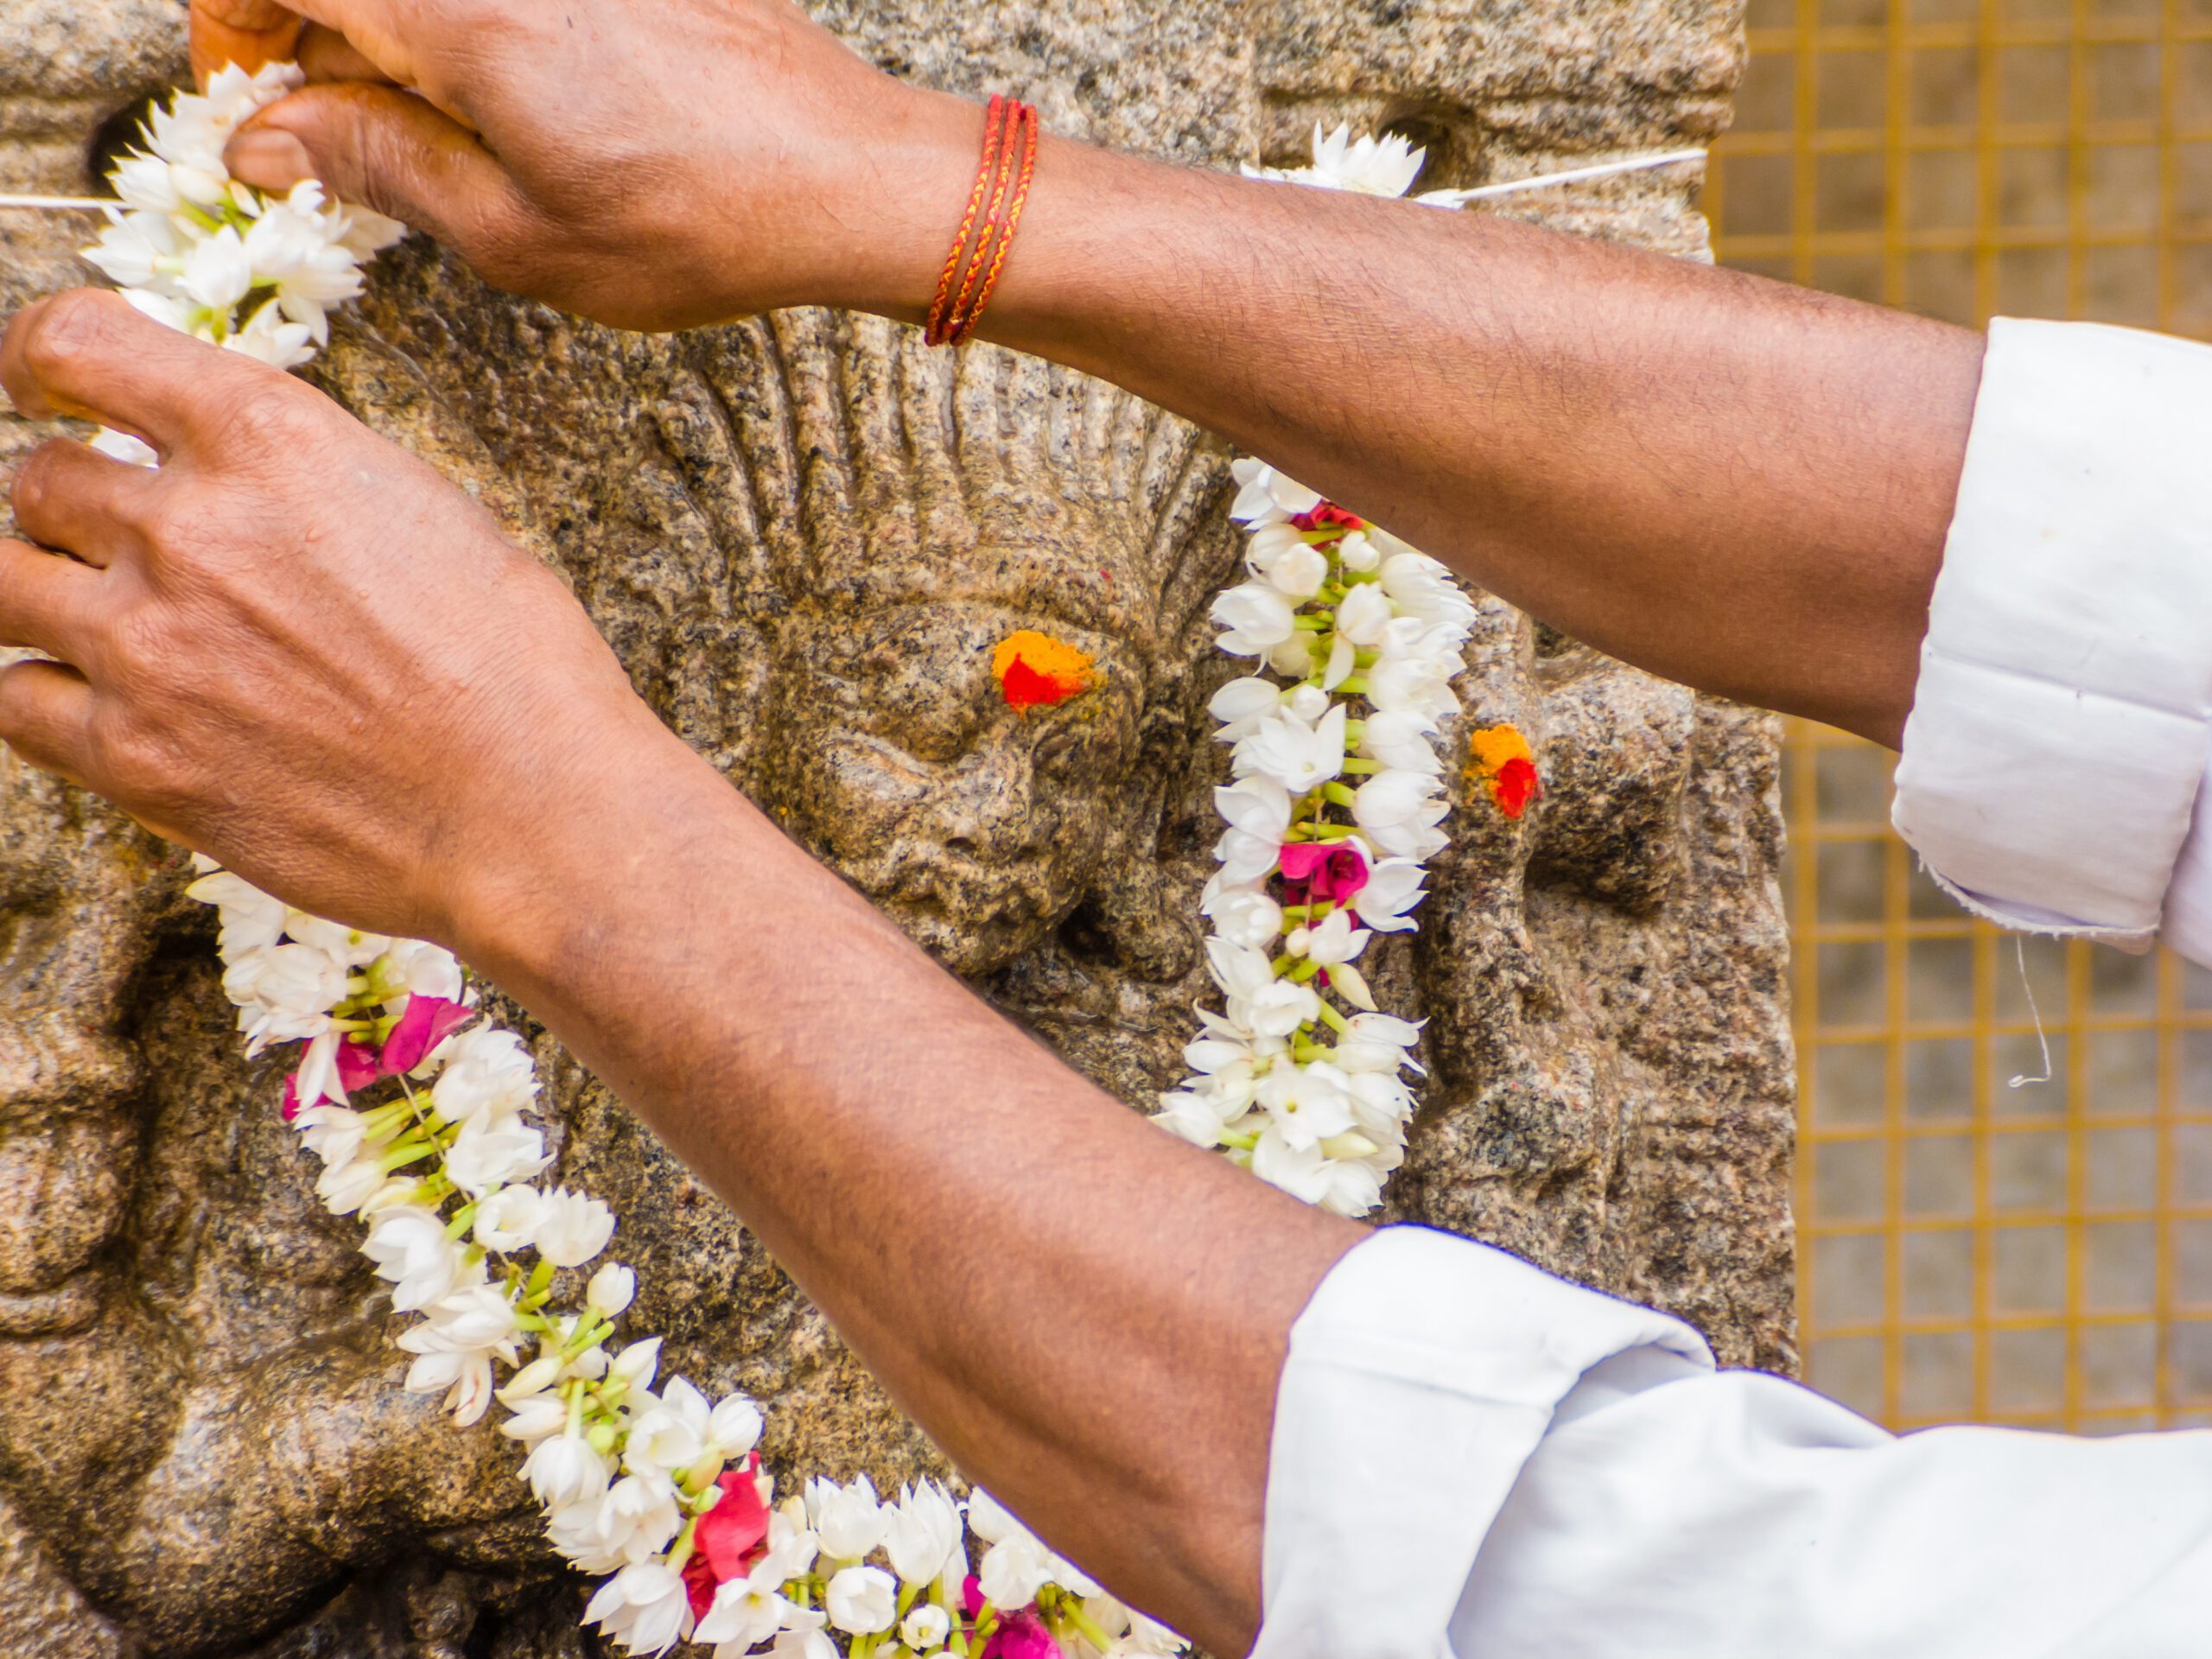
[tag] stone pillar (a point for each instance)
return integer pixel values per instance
(803, 533)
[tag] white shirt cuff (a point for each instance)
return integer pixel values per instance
(2059, 731)
(1420, 1379)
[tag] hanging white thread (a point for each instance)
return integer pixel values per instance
(2020, 954)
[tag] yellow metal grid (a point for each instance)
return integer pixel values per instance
(1969, 1249)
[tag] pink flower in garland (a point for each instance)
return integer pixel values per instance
(1331, 871)
(1018, 1636)
(428, 1021)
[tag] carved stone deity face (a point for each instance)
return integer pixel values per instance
(805, 535)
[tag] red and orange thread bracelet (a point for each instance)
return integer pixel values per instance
(1003, 178)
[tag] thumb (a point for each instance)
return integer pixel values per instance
(389, 150)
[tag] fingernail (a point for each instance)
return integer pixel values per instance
(268, 158)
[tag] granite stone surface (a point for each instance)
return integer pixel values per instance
(803, 534)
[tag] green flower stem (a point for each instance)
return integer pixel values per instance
(1335, 1021)
(1087, 1627)
(1338, 794)
(1359, 767)
(405, 1152)
(1331, 831)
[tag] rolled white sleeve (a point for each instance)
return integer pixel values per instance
(1473, 1460)
(2057, 745)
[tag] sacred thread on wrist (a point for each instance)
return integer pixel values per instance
(1000, 193)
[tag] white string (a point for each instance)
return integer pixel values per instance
(1571, 175)
(2020, 952)
(1439, 198)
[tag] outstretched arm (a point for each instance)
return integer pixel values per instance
(255, 656)
(1733, 483)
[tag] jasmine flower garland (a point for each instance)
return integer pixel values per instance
(419, 1111)
(1335, 805)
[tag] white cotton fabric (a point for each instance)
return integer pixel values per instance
(1474, 1460)
(2057, 744)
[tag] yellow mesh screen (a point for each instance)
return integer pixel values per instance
(2038, 1254)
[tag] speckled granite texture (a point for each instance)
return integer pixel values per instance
(803, 534)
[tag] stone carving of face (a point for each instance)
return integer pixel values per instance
(805, 535)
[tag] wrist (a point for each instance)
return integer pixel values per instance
(535, 877)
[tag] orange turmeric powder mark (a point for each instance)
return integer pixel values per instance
(1034, 671)
(1504, 762)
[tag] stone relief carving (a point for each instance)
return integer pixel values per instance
(803, 533)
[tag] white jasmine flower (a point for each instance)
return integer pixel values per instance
(1341, 1186)
(1253, 616)
(634, 1520)
(849, 1520)
(1264, 496)
(491, 1152)
(611, 1290)
(803, 1638)
(571, 1229)
(1422, 587)
(488, 1073)
(1294, 568)
(924, 1630)
(270, 338)
(1257, 805)
(217, 271)
(1333, 941)
(922, 1531)
(143, 182)
(1399, 812)
(1279, 1008)
(636, 1364)
(1357, 553)
(475, 1316)
(316, 1081)
(1297, 756)
(1245, 915)
(332, 1132)
(1190, 1117)
(746, 1612)
(250, 918)
(290, 987)
(1292, 658)
(565, 1470)
(644, 1607)
(139, 250)
(466, 1377)
(733, 1427)
(344, 1188)
(409, 1245)
(532, 1419)
(1371, 166)
(1364, 614)
(1399, 739)
(1241, 704)
(346, 946)
(1307, 1104)
(861, 1600)
(505, 1220)
(668, 1434)
(419, 969)
(1394, 888)
(1027, 1562)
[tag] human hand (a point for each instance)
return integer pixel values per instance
(650, 168)
(294, 646)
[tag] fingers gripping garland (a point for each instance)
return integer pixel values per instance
(1333, 810)
(642, 1479)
